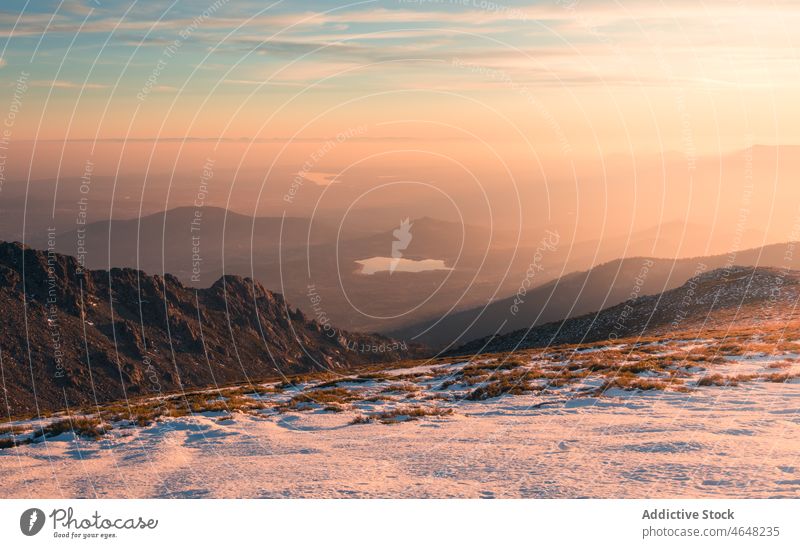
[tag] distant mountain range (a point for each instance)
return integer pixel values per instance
(73, 338)
(190, 243)
(718, 300)
(198, 245)
(480, 294)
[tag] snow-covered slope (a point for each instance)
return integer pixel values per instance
(711, 417)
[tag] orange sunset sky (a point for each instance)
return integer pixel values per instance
(605, 117)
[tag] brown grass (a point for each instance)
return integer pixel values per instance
(401, 387)
(85, 427)
(628, 381)
(361, 419)
(780, 377)
(415, 412)
(326, 397)
(715, 379)
(513, 382)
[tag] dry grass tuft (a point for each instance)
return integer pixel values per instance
(85, 427)
(329, 397)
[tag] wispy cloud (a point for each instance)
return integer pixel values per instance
(65, 84)
(322, 48)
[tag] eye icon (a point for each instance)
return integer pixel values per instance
(31, 522)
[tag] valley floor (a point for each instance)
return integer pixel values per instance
(706, 439)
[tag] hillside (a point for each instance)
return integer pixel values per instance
(720, 299)
(71, 338)
(583, 292)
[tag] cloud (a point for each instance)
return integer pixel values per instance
(65, 84)
(560, 43)
(75, 6)
(319, 178)
(265, 83)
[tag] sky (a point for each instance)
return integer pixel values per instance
(196, 68)
(489, 103)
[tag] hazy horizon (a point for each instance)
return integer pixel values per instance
(599, 121)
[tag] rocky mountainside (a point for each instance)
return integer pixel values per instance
(720, 299)
(578, 293)
(71, 338)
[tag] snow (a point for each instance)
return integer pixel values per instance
(555, 441)
(718, 442)
(593, 349)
